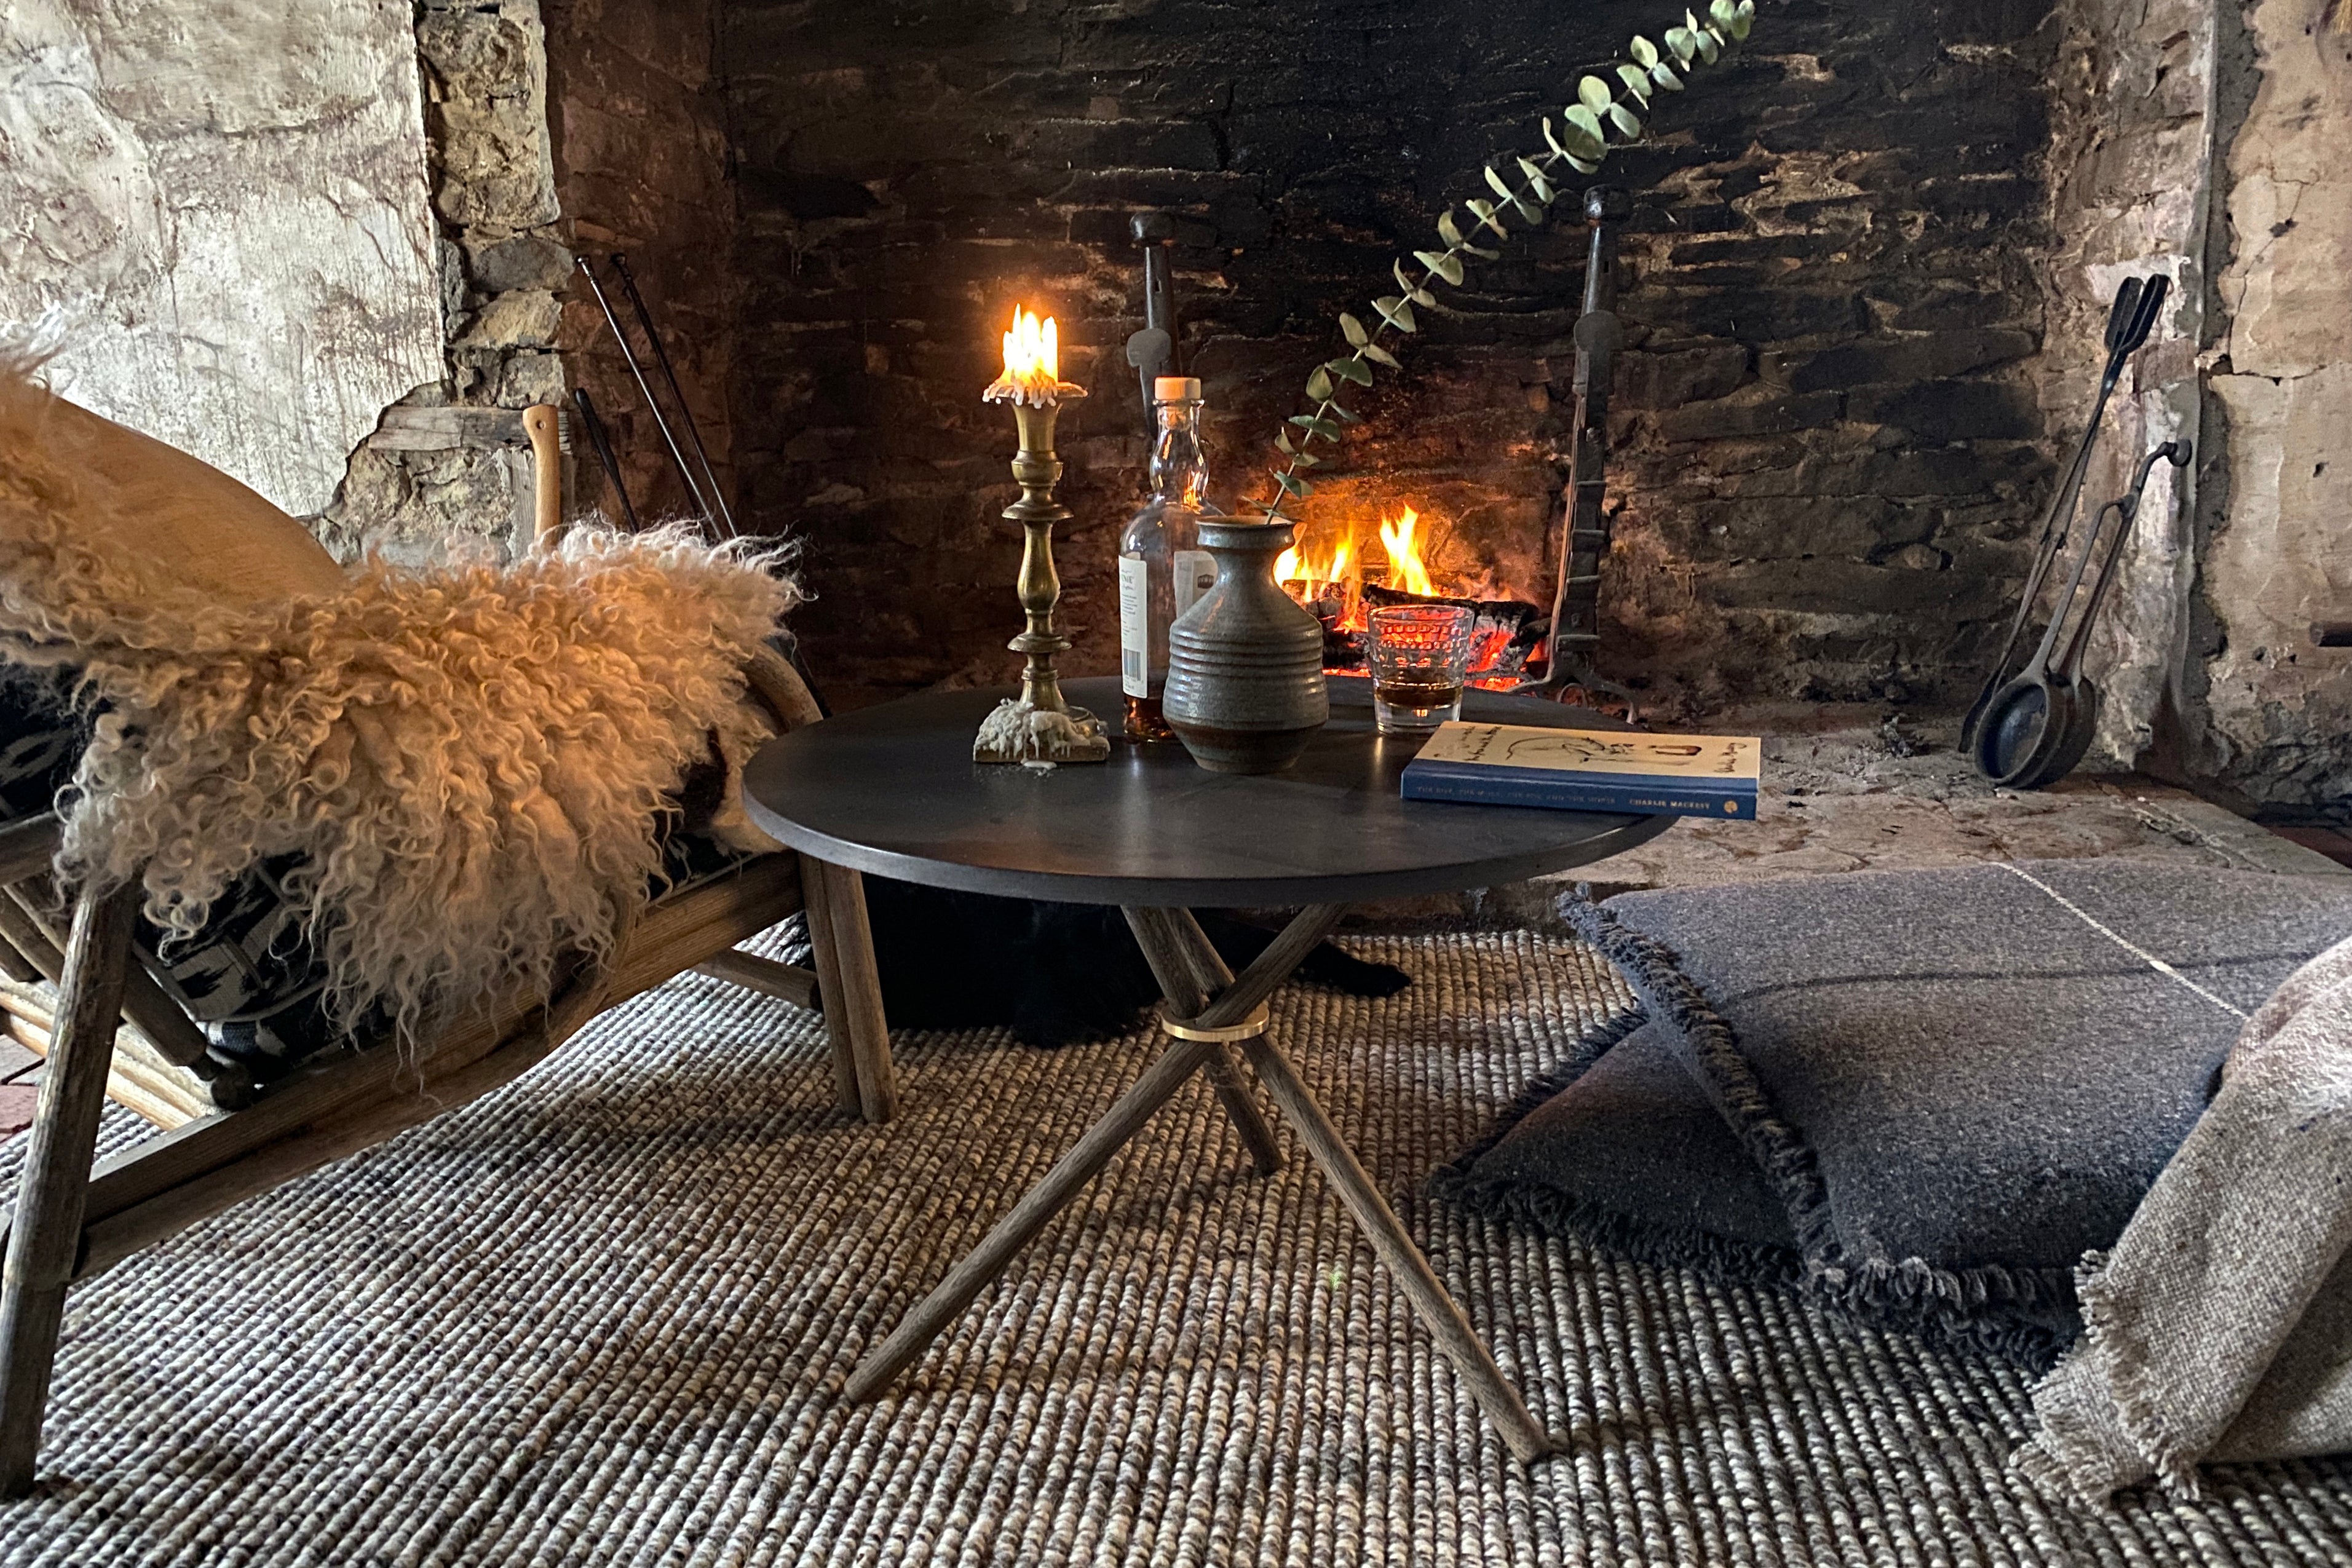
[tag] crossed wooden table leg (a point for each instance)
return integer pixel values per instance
(1209, 1012)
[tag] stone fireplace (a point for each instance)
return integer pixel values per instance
(1863, 284)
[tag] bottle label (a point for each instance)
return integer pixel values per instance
(1196, 573)
(1134, 626)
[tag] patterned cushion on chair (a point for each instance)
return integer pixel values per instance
(251, 977)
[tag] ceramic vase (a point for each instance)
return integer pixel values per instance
(1246, 663)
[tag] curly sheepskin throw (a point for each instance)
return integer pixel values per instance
(472, 761)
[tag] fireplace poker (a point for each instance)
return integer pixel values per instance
(644, 389)
(1585, 529)
(677, 395)
(1152, 350)
(600, 441)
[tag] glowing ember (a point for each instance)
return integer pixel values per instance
(1033, 363)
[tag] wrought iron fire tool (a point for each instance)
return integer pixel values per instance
(600, 441)
(644, 389)
(1152, 350)
(677, 395)
(1585, 528)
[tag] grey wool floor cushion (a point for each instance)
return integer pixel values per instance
(1921, 1096)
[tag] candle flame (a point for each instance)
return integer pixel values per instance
(1033, 363)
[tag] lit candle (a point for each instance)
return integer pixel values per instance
(1032, 364)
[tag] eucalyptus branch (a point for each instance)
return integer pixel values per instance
(1610, 101)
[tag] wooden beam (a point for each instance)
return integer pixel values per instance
(26, 847)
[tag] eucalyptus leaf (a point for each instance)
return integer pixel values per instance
(1528, 210)
(1585, 138)
(1742, 19)
(1628, 124)
(1710, 48)
(1282, 439)
(1319, 385)
(1315, 425)
(1644, 53)
(1445, 266)
(1396, 312)
(1306, 460)
(1346, 417)
(1536, 181)
(1354, 329)
(1637, 82)
(1486, 218)
(1447, 229)
(1690, 21)
(1378, 355)
(1353, 370)
(1414, 292)
(1582, 167)
(1663, 75)
(1595, 95)
(1681, 40)
(1299, 487)
(1721, 12)
(1501, 186)
(1552, 138)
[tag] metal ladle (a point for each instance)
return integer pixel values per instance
(2037, 727)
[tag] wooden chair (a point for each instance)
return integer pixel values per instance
(74, 1219)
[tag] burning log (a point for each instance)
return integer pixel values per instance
(1504, 633)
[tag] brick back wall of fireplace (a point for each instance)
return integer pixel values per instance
(1828, 445)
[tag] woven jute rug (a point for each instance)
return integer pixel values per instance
(604, 1317)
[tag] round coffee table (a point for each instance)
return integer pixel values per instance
(893, 790)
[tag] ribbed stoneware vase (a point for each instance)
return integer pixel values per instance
(1246, 663)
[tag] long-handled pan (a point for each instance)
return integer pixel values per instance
(2138, 302)
(2038, 726)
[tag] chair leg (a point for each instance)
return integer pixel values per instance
(851, 992)
(45, 1237)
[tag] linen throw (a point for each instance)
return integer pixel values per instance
(2219, 1326)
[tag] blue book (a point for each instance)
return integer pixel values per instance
(1588, 770)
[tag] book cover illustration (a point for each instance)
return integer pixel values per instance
(1594, 770)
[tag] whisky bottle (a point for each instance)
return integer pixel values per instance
(1162, 567)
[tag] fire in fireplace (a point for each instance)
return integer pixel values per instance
(1333, 576)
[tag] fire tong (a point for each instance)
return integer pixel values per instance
(1585, 531)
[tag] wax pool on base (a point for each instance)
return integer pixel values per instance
(1162, 567)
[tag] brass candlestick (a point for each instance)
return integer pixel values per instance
(1038, 726)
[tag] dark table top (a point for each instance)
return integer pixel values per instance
(893, 790)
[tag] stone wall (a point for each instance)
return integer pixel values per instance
(1830, 436)
(2268, 716)
(2198, 142)
(223, 208)
(583, 124)
(448, 463)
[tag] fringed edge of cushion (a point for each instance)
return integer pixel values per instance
(1970, 1306)
(1594, 1044)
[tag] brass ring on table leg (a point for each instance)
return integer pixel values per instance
(1249, 1028)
